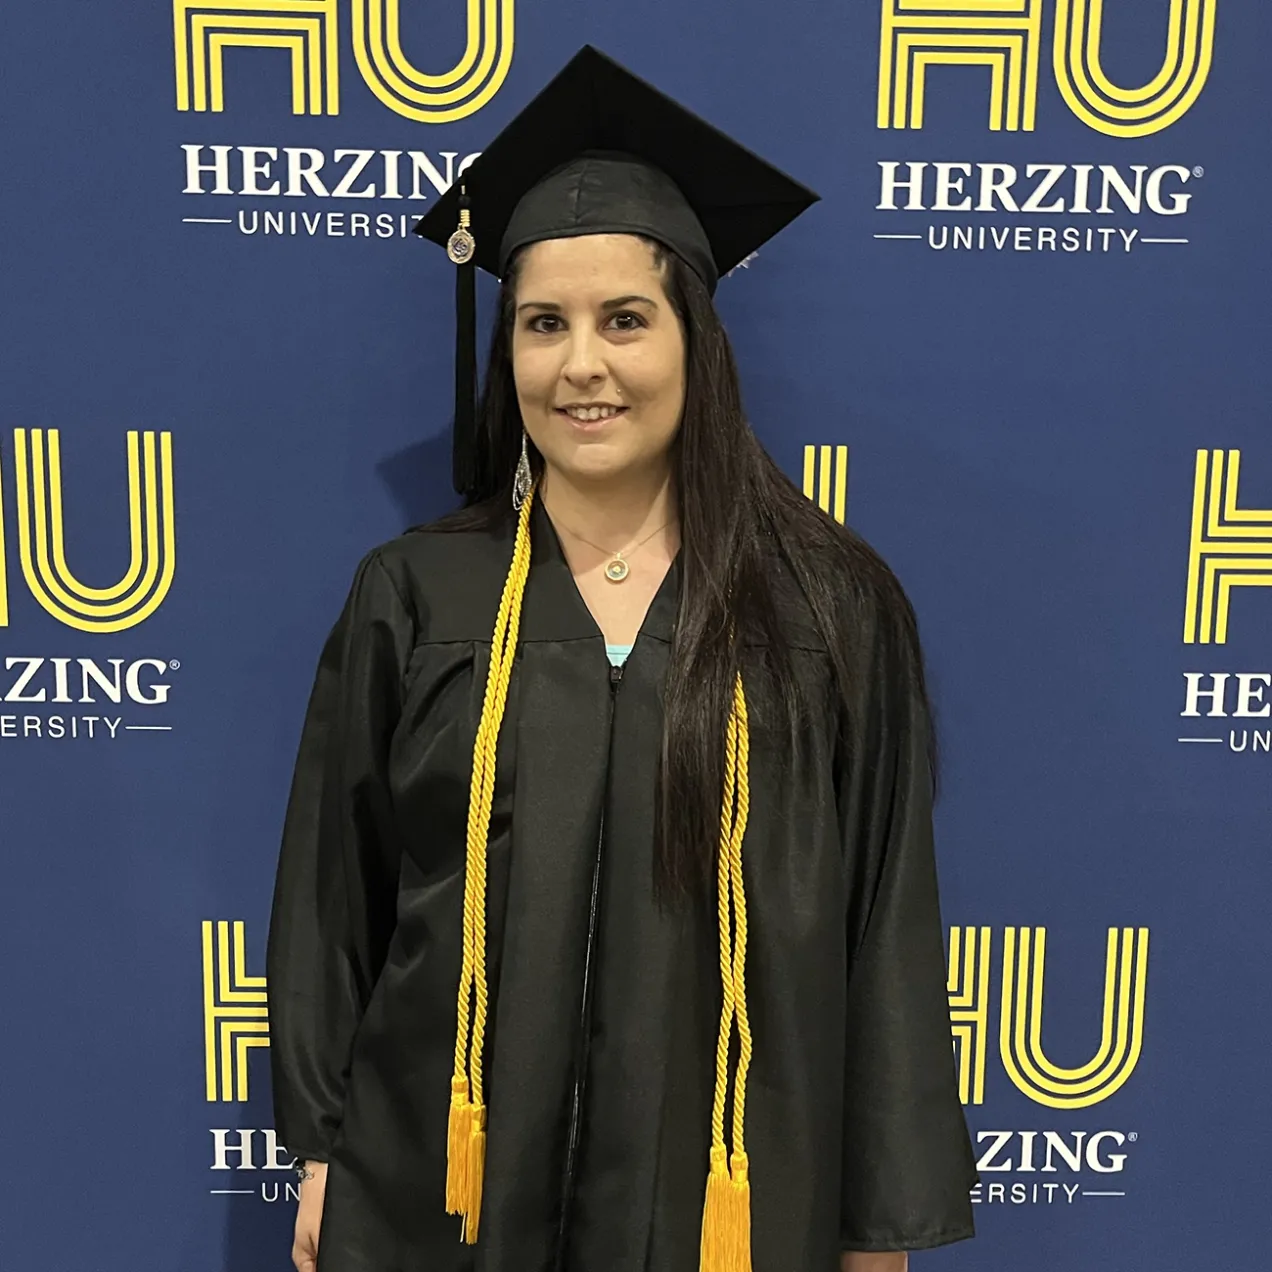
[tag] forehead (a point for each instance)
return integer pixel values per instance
(586, 263)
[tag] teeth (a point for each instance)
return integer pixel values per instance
(591, 412)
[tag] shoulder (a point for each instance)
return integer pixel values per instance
(446, 581)
(883, 667)
(428, 561)
(793, 605)
(833, 588)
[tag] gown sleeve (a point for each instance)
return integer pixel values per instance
(334, 900)
(908, 1166)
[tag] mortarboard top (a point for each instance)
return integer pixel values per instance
(598, 151)
(594, 104)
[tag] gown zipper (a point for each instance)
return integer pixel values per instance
(585, 1016)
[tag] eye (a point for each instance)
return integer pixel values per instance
(626, 320)
(535, 323)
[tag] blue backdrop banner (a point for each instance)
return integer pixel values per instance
(1021, 345)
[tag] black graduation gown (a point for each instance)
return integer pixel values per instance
(599, 1063)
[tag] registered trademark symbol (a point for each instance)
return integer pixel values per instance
(175, 664)
(1199, 171)
(1133, 1136)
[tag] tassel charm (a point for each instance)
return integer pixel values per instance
(461, 245)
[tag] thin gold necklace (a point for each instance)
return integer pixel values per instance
(616, 568)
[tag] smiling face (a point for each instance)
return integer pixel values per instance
(598, 356)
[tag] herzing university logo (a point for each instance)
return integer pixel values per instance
(42, 545)
(1020, 1016)
(1006, 37)
(235, 1012)
(309, 31)
(1229, 547)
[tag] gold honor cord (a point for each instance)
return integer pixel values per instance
(466, 1127)
(726, 1212)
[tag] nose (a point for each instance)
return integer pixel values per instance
(584, 357)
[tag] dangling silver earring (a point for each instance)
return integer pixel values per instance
(523, 482)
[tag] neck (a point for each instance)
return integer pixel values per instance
(613, 513)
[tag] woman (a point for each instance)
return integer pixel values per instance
(637, 890)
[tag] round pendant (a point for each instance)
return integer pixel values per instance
(616, 571)
(460, 246)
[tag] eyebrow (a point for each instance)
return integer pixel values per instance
(617, 303)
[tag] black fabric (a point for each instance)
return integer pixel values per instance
(601, 192)
(596, 104)
(464, 450)
(854, 1129)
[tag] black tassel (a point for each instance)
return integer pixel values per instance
(461, 248)
(464, 448)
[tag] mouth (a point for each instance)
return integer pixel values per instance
(586, 415)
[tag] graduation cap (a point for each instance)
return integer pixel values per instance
(600, 151)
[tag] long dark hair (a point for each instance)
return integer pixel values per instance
(741, 522)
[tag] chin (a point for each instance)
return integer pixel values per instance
(594, 463)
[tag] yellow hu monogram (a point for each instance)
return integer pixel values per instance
(308, 30)
(1229, 547)
(968, 988)
(1006, 37)
(1020, 1016)
(826, 477)
(235, 1011)
(42, 545)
